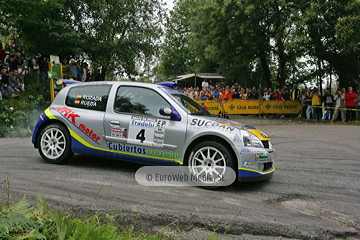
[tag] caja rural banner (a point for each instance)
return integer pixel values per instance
(253, 106)
(282, 107)
(242, 107)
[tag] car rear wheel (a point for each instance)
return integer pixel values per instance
(54, 144)
(210, 162)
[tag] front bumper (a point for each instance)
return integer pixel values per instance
(256, 164)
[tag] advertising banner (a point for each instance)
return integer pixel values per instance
(242, 107)
(253, 106)
(280, 107)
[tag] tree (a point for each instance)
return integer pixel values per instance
(117, 36)
(40, 26)
(333, 27)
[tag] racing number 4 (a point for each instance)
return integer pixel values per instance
(141, 135)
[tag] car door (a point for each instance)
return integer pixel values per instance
(135, 128)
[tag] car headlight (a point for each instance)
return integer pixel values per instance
(250, 140)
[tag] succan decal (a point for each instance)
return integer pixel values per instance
(71, 116)
(203, 123)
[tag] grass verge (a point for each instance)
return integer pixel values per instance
(23, 221)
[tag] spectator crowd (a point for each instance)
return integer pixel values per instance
(339, 106)
(16, 65)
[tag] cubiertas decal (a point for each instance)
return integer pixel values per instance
(124, 148)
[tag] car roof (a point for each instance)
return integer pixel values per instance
(128, 83)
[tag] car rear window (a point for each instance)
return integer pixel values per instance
(92, 97)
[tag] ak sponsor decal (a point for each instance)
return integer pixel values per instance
(68, 114)
(197, 123)
(71, 116)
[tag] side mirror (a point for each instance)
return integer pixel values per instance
(170, 112)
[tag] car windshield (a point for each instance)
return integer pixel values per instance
(192, 107)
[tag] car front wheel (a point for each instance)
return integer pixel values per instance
(210, 162)
(54, 144)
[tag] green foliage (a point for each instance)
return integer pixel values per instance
(264, 43)
(119, 40)
(22, 221)
(18, 115)
(17, 221)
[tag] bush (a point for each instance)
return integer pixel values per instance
(18, 115)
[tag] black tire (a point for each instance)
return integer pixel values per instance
(215, 160)
(54, 144)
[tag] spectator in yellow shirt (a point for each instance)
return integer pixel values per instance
(316, 103)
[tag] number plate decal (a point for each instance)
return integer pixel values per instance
(145, 130)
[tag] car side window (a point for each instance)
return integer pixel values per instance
(138, 100)
(93, 97)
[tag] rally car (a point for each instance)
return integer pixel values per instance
(152, 124)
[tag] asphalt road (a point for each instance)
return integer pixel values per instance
(314, 193)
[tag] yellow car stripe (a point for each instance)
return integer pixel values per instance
(49, 114)
(257, 133)
(262, 173)
(83, 142)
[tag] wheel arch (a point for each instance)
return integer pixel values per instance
(209, 138)
(44, 125)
